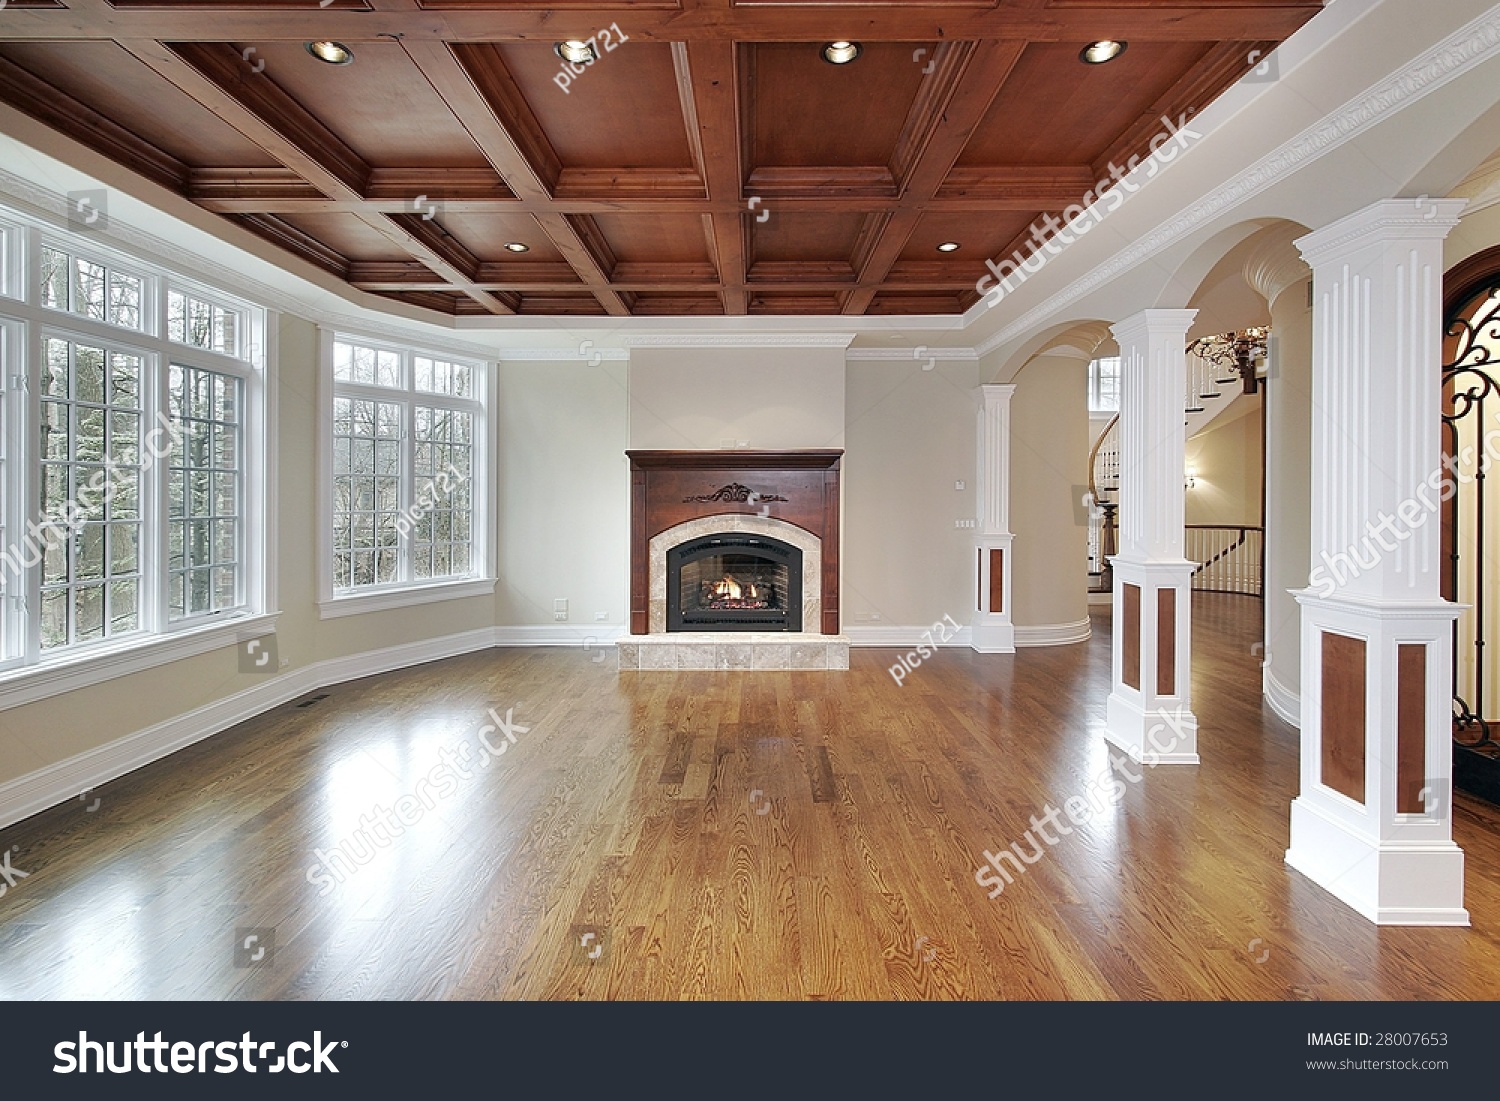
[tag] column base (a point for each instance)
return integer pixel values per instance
(1162, 736)
(1388, 882)
(992, 634)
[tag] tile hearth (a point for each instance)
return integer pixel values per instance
(733, 650)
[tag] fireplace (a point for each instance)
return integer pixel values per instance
(734, 582)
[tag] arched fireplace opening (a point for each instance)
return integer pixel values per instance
(734, 582)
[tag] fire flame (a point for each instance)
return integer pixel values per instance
(730, 588)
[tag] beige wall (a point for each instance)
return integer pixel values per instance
(1049, 474)
(563, 493)
(910, 437)
(766, 397)
(1225, 460)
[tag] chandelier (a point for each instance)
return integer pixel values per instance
(1238, 356)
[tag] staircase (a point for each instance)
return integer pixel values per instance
(1228, 557)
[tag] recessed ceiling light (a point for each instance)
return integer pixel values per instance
(948, 246)
(841, 53)
(1097, 53)
(576, 50)
(517, 246)
(335, 53)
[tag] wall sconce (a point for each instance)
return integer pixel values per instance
(1189, 480)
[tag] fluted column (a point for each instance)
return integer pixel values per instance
(1278, 273)
(992, 630)
(1150, 707)
(1373, 821)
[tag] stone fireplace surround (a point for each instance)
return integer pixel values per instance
(677, 496)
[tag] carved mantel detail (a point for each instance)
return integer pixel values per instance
(796, 487)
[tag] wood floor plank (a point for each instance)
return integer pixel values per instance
(702, 835)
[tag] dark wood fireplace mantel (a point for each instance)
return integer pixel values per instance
(668, 488)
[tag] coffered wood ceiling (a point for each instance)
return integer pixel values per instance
(713, 163)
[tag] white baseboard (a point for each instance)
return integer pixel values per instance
(558, 635)
(1286, 703)
(1054, 634)
(57, 783)
(903, 636)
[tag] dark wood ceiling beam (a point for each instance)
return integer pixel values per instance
(966, 81)
(821, 182)
(335, 171)
(57, 109)
(868, 23)
(706, 75)
(465, 88)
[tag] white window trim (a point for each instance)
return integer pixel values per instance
(78, 667)
(336, 605)
(134, 653)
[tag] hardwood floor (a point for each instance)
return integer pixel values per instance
(717, 835)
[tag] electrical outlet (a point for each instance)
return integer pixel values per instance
(600, 617)
(959, 484)
(560, 610)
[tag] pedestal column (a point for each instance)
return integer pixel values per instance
(992, 630)
(1150, 707)
(1373, 821)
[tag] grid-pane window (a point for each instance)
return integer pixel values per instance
(200, 323)
(91, 288)
(367, 503)
(90, 448)
(405, 455)
(441, 517)
(439, 376)
(1104, 385)
(205, 533)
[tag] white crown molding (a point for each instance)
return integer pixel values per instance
(738, 340)
(1438, 66)
(919, 353)
(564, 355)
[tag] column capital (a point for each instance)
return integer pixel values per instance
(1156, 322)
(995, 392)
(1421, 219)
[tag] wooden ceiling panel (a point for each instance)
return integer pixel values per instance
(644, 238)
(129, 94)
(380, 105)
(711, 163)
(809, 112)
(1055, 109)
(346, 235)
(805, 237)
(486, 235)
(978, 235)
(622, 111)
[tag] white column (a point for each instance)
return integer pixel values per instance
(992, 631)
(1373, 822)
(1150, 708)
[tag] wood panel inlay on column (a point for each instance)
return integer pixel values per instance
(997, 580)
(1411, 727)
(1166, 642)
(979, 579)
(1343, 716)
(1130, 663)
